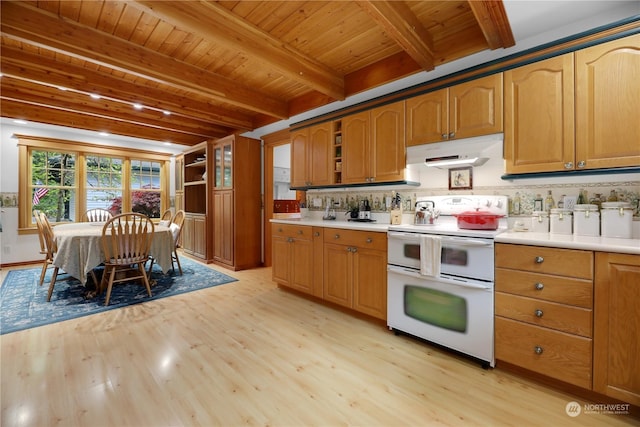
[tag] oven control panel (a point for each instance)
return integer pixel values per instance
(455, 204)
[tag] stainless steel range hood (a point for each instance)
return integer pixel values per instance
(457, 152)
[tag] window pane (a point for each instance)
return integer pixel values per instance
(104, 183)
(145, 181)
(53, 186)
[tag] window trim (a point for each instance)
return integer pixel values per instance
(81, 149)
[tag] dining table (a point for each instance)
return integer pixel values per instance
(79, 248)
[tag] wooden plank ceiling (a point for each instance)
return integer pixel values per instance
(203, 69)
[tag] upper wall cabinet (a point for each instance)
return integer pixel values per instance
(312, 156)
(608, 104)
(538, 116)
(465, 110)
(373, 145)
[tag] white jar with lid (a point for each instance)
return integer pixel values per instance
(561, 221)
(617, 219)
(540, 222)
(586, 220)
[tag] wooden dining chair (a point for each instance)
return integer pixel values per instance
(43, 246)
(166, 215)
(96, 215)
(51, 248)
(126, 239)
(176, 231)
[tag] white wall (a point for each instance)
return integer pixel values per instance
(15, 248)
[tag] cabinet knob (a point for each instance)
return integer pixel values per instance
(444, 136)
(337, 236)
(539, 286)
(568, 165)
(369, 240)
(537, 349)
(539, 260)
(290, 239)
(582, 164)
(279, 230)
(300, 231)
(348, 248)
(538, 313)
(452, 135)
(317, 234)
(354, 249)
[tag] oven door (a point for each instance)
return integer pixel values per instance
(455, 313)
(403, 249)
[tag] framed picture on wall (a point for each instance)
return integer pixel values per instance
(461, 178)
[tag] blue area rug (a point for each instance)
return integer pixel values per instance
(23, 304)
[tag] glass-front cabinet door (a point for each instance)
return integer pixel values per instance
(223, 158)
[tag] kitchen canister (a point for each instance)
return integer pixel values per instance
(540, 222)
(561, 221)
(586, 220)
(617, 219)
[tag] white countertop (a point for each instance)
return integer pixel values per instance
(570, 241)
(351, 225)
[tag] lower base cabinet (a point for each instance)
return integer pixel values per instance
(571, 315)
(616, 356)
(344, 267)
(194, 235)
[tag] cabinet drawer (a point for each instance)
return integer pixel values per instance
(289, 230)
(363, 239)
(565, 290)
(573, 320)
(538, 259)
(560, 355)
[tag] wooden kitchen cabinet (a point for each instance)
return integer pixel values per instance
(539, 116)
(355, 270)
(236, 221)
(312, 157)
(373, 145)
(465, 110)
(196, 201)
(544, 311)
(608, 104)
(194, 235)
(616, 361)
(293, 260)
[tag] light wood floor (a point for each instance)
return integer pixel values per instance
(249, 353)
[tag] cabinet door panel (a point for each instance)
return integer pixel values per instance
(476, 107)
(302, 265)
(388, 149)
(280, 268)
(539, 118)
(299, 170)
(608, 104)
(617, 322)
(320, 159)
(337, 275)
(200, 236)
(427, 117)
(370, 282)
(355, 148)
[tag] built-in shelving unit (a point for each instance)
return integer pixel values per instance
(195, 180)
(337, 152)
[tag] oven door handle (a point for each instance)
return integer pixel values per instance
(458, 282)
(461, 241)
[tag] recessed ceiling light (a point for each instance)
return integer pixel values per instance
(137, 106)
(104, 133)
(167, 143)
(95, 96)
(166, 112)
(62, 88)
(20, 122)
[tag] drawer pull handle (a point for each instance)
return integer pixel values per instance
(290, 239)
(369, 240)
(538, 313)
(317, 234)
(337, 236)
(537, 349)
(539, 286)
(299, 231)
(539, 260)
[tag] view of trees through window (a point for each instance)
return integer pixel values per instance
(54, 182)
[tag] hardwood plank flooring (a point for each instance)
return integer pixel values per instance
(248, 353)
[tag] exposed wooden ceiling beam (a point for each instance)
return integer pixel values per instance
(402, 25)
(23, 22)
(52, 97)
(493, 22)
(45, 70)
(215, 23)
(43, 114)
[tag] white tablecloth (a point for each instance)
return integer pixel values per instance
(80, 248)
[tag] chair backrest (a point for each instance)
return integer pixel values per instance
(47, 235)
(166, 215)
(96, 215)
(176, 226)
(36, 217)
(126, 238)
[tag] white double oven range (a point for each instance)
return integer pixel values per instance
(441, 277)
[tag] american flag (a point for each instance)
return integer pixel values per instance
(39, 194)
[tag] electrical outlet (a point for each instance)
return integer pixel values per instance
(6, 249)
(569, 202)
(317, 202)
